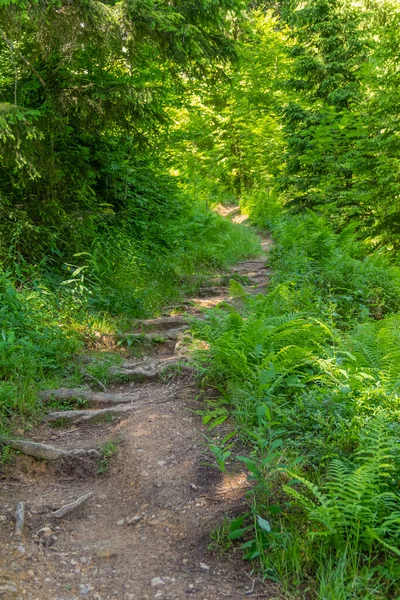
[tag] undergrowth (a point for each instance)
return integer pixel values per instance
(48, 314)
(308, 376)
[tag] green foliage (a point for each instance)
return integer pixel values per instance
(310, 374)
(45, 322)
(94, 230)
(120, 125)
(356, 509)
(108, 450)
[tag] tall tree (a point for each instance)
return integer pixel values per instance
(82, 91)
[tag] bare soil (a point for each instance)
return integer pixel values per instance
(145, 532)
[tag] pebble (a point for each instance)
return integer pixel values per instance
(121, 522)
(84, 591)
(30, 573)
(45, 532)
(8, 587)
(50, 541)
(134, 520)
(106, 553)
(157, 581)
(204, 566)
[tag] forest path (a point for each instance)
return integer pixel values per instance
(144, 534)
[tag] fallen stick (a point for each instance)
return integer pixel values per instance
(45, 451)
(19, 519)
(68, 508)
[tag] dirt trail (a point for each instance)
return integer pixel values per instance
(145, 532)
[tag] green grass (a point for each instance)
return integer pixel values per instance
(108, 450)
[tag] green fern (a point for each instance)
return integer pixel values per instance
(356, 507)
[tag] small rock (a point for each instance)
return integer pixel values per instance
(21, 549)
(157, 581)
(45, 532)
(84, 591)
(106, 553)
(8, 587)
(134, 520)
(121, 522)
(50, 541)
(204, 566)
(48, 579)
(30, 573)
(73, 562)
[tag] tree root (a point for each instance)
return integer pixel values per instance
(68, 508)
(161, 323)
(19, 519)
(88, 395)
(81, 416)
(47, 452)
(151, 371)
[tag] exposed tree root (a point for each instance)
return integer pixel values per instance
(47, 452)
(69, 508)
(88, 395)
(81, 416)
(161, 323)
(19, 519)
(150, 371)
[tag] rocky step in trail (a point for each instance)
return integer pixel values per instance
(141, 529)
